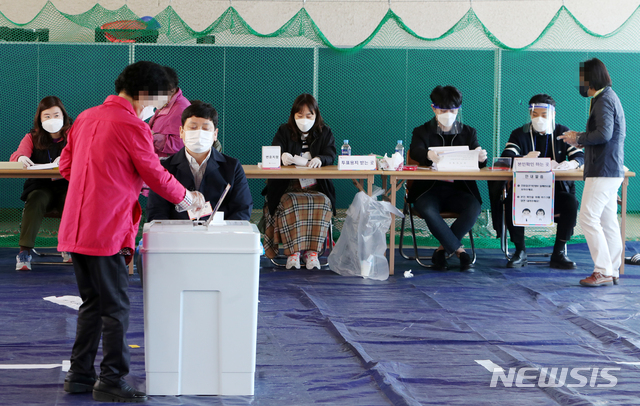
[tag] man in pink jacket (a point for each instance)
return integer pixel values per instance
(108, 155)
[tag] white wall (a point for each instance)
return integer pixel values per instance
(348, 22)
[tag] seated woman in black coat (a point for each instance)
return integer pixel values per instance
(431, 197)
(298, 215)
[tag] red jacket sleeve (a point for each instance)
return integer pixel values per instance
(25, 148)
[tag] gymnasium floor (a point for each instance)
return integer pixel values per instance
(325, 339)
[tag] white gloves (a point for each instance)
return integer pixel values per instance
(307, 155)
(567, 165)
(315, 163)
(482, 156)
(287, 159)
(433, 156)
(533, 154)
(57, 161)
(26, 162)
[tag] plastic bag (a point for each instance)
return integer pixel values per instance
(363, 241)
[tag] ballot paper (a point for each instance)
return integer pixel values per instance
(36, 167)
(300, 161)
(206, 211)
(456, 159)
(73, 302)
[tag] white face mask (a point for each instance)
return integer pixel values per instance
(53, 125)
(540, 124)
(305, 124)
(146, 113)
(198, 141)
(447, 119)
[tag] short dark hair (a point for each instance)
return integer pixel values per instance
(201, 110)
(595, 74)
(172, 75)
(308, 100)
(542, 98)
(143, 76)
(447, 97)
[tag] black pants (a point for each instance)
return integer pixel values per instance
(565, 204)
(103, 283)
(445, 197)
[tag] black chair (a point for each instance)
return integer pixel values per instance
(407, 211)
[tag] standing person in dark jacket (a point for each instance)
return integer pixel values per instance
(298, 214)
(603, 142)
(431, 197)
(538, 139)
(42, 145)
(200, 167)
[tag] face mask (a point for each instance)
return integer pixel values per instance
(52, 126)
(198, 141)
(540, 124)
(447, 119)
(146, 113)
(584, 90)
(305, 124)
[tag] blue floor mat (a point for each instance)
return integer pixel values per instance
(327, 339)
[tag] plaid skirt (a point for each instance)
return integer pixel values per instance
(301, 223)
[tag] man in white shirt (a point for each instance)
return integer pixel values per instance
(200, 167)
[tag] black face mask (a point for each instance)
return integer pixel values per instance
(584, 91)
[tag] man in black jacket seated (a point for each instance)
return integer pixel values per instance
(431, 197)
(538, 139)
(200, 167)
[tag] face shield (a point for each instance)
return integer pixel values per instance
(542, 117)
(449, 119)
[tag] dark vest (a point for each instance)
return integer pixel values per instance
(45, 156)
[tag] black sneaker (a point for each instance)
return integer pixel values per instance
(439, 260)
(465, 262)
(121, 392)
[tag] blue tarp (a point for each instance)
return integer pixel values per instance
(327, 339)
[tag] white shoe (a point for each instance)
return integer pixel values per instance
(23, 261)
(311, 259)
(293, 261)
(66, 257)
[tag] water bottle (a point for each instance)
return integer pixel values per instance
(400, 149)
(346, 149)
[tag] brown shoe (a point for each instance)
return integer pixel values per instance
(597, 279)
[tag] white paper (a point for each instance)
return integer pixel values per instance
(408, 274)
(73, 302)
(43, 166)
(300, 161)
(305, 183)
(532, 164)
(206, 211)
(458, 160)
(449, 149)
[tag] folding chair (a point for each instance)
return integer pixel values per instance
(328, 246)
(504, 242)
(408, 212)
(56, 215)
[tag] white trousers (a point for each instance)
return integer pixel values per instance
(599, 222)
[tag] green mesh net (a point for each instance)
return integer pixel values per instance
(372, 94)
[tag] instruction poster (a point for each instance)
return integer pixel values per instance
(533, 198)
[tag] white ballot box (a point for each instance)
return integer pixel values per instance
(200, 307)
